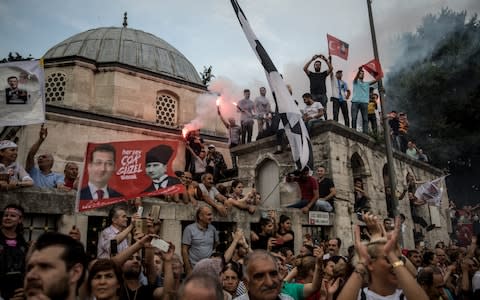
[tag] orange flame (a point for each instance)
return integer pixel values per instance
(235, 103)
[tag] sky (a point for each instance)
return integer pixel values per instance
(208, 33)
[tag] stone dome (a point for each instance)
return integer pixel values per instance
(129, 47)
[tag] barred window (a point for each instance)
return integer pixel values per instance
(55, 87)
(36, 224)
(166, 109)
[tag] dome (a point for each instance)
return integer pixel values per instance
(129, 47)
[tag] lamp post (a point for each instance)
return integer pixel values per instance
(386, 127)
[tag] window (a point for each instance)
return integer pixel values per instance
(36, 224)
(166, 109)
(55, 87)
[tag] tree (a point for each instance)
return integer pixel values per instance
(436, 80)
(16, 57)
(207, 75)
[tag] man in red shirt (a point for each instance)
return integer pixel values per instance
(308, 188)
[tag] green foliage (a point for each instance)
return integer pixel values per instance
(436, 80)
(207, 75)
(16, 57)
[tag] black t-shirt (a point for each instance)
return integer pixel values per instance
(262, 242)
(324, 187)
(12, 264)
(317, 82)
(143, 292)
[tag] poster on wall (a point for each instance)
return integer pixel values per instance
(118, 171)
(22, 97)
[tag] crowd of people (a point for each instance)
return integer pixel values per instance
(265, 265)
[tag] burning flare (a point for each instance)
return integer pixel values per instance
(218, 101)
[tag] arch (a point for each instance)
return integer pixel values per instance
(268, 174)
(358, 166)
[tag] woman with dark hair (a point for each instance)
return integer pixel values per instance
(285, 236)
(231, 279)
(105, 280)
(245, 202)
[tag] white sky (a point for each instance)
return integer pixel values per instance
(208, 33)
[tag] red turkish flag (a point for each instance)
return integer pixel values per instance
(374, 68)
(337, 47)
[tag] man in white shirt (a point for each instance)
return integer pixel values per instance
(313, 111)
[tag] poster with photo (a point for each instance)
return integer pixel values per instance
(22, 97)
(118, 171)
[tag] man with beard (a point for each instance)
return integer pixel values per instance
(309, 192)
(317, 80)
(262, 277)
(55, 268)
(13, 249)
(415, 258)
(43, 176)
(333, 248)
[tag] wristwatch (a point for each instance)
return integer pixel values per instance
(397, 264)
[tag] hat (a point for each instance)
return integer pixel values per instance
(159, 154)
(7, 144)
(211, 146)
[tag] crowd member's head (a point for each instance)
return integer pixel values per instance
(201, 287)
(361, 73)
(118, 217)
(284, 224)
(441, 256)
(45, 162)
(288, 254)
(12, 218)
(177, 266)
(307, 99)
(425, 279)
(306, 267)
(246, 93)
(55, 267)
(231, 276)
(132, 267)
(267, 227)
(71, 171)
(237, 188)
(101, 165)
(187, 178)
(104, 279)
(379, 269)
(339, 74)
(317, 66)
(388, 224)
(8, 152)
(204, 216)
(321, 172)
(263, 91)
(429, 258)
(207, 180)
(305, 250)
(329, 267)
(334, 246)
(261, 276)
(415, 258)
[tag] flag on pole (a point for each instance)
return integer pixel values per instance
(374, 68)
(290, 116)
(431, 191)
(337, 47)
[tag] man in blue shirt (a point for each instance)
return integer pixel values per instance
(43, 176)
(360, 98)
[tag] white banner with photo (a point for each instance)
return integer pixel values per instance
(22, 96)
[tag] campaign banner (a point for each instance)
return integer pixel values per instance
(22, 97)
(118, 171)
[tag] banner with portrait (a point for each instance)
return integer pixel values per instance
(22, 97)
(118, 171)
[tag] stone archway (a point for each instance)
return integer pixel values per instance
(268, 175)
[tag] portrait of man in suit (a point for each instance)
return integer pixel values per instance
(156, 161)
(101, 166)
(13, 94)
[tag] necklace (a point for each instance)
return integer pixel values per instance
(127, 290)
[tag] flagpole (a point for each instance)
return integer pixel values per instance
(386, 127)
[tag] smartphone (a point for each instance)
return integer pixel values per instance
(160, 244)
(113, 248)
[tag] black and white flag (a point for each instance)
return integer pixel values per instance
(290, 116)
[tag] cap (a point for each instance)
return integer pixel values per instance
(159, 154)
(211, 146)
(7, 144)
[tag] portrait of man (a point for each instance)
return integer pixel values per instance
(156, 161)
(13, 94)
(101, 166)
